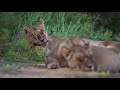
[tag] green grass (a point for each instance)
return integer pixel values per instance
(63, 24)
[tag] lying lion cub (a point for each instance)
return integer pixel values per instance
(103, 59)
(84, 57)
(71, 53)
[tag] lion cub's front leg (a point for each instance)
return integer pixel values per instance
(52, 63)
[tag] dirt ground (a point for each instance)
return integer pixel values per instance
(41, 72)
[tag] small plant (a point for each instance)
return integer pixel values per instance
(5, 35)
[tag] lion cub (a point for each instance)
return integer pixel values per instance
(85, 57)
(36, 36)
(70, 53)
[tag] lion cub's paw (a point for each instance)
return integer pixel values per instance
(53, 66)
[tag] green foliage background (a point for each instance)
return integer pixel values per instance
(96, 26)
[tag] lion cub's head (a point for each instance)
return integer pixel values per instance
(77, 56)
(36, 35)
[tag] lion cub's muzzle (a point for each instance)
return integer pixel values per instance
(42, 43)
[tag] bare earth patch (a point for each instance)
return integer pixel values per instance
(42, 72)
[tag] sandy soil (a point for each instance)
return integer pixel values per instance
(42, 72)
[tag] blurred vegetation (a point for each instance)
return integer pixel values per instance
(92, 25)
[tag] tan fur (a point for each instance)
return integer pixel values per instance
(36, 36)
(54, 42)
(84, 57)
(107, 44)
(54, 59)
(106, 59)
(72, 54)
(78, 58)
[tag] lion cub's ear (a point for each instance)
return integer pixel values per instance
(25, 30)
(88, 47)
(63, 50)
(41, 22)
(85, 44)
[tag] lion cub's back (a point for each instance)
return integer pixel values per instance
(106, 59)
